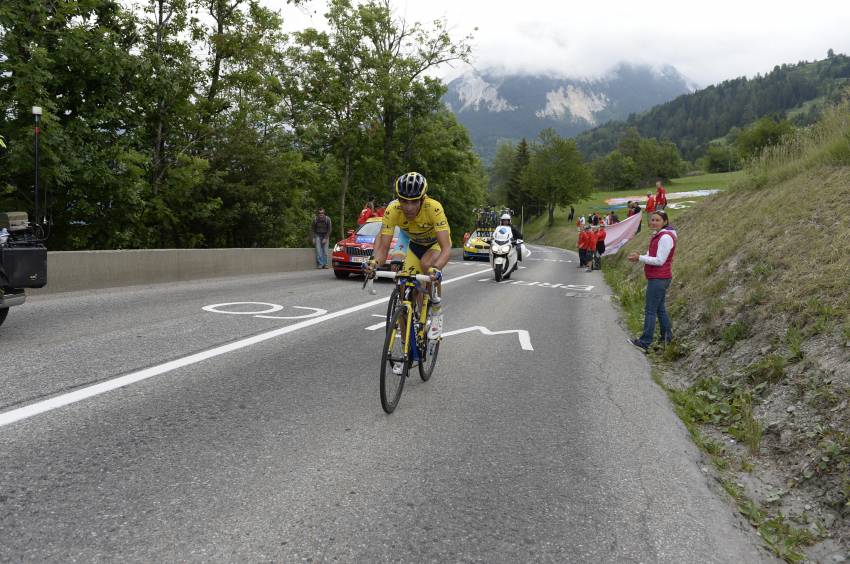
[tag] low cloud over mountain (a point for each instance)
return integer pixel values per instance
(495, 106)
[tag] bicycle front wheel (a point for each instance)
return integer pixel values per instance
(393, 302)
(394, 360)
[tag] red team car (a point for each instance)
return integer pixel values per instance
(350, 253)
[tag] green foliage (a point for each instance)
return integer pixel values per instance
(556, 174)
(719, 157)
(501, 171)
(186, 124)
(763, 133)
(637, 161)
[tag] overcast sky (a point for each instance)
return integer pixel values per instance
(708, 42)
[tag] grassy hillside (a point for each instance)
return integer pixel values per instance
(760, 370)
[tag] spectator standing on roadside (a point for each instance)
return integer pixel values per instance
(658, 262)
(660, 196)
(367, 212)
(572, 214)
(320, 230)
(634, 209)
(650, 203)
(600, 247)
(591, 247)
(583, 235)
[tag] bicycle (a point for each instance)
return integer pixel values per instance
(406, 339)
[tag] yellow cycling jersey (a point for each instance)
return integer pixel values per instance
(424, 227)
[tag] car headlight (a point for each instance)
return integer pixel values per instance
(337, 248)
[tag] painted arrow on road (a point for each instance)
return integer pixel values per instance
(524, 337)
(522, 334)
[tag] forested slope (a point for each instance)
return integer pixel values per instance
(692, 120)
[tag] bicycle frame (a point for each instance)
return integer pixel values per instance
(406, 284)
(404, 341)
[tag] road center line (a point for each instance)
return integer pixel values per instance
(96, 389)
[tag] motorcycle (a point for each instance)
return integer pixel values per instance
(503, 253)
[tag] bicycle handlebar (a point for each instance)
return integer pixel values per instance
(368, 283)
(424, 278)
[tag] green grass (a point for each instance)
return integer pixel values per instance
(719, 181)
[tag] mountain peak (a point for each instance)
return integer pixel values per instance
(495, 105)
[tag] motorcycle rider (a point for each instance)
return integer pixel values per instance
(515, 234)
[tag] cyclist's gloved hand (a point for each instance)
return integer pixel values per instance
(369, 267)
(435, 273)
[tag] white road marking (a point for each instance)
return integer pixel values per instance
(37, 408)
(214, 308)
(377, 326)
(317, 311)
(575, 287)
(272, 309)
(524, 337)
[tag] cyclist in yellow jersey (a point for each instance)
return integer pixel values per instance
(421, 219)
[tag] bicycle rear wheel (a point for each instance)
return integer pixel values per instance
(394, 355)
(428, 358)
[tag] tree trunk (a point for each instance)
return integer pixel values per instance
(345, 179)
(389, 133)
(551, 207)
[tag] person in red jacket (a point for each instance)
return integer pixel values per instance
(367, 212)
(591, 247)
(650, 203)
(650, 206)
(582, 247)
(657, 267)
(660, 196)
(600, 246)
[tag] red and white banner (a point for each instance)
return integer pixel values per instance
(621, 233)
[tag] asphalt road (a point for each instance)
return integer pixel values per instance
(241, 438)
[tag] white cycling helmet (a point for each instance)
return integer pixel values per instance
(505, 216)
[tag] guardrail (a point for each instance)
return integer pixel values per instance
(69, 271)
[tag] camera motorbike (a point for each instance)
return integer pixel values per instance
(503, 253)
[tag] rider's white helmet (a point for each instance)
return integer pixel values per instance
(506, 216)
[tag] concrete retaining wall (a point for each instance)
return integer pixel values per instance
(68, 271)
(89, 270)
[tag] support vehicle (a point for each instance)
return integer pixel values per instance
(23, 260)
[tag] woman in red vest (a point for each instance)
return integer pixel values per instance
(657, 266)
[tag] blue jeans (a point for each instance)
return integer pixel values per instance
(656, 294)
(321, 251)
